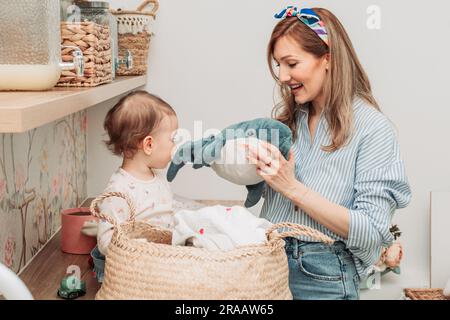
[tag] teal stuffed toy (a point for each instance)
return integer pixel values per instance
(226, 154)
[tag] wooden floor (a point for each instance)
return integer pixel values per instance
(44, 274)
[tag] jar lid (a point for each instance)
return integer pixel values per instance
(93, 4)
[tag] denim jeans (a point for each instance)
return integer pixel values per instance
(99, 264)
(321, 272)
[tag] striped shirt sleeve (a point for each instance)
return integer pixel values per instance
(380, 187)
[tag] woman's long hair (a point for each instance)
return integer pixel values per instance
(345, 80)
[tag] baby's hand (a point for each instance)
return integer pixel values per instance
(90, 228)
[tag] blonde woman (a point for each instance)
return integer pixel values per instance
(344, 176)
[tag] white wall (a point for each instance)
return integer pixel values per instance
(440, 223)
(208, 60)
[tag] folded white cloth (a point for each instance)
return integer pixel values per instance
(218, 228)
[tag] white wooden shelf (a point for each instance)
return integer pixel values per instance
(21, 111)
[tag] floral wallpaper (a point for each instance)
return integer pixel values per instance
(42, 171)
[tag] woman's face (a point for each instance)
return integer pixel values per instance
(303, 72)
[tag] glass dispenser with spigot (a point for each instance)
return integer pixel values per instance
(30, 46)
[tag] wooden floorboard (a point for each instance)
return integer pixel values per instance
(44, 274)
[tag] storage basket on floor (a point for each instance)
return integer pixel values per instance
(134, 36)
(425, 294)
(154, 269)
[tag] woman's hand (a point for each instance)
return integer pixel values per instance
(279, 174)
(273, 167)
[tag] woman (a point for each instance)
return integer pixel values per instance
(344, 176)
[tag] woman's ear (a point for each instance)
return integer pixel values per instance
(327, 61)
(147, 145)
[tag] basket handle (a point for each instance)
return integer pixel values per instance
(298, 230)
(96, 211)
(146, 3)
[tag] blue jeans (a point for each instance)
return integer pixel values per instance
(321, 272)
(99, 264)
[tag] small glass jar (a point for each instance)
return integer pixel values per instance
(98, 12)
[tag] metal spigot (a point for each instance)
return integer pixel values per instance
(127, 61)
(77, 63)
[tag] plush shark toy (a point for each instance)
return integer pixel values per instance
(225, 153)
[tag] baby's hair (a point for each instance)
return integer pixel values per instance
(132, 119)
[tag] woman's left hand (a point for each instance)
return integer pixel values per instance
(273, 167)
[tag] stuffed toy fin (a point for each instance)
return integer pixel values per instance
(254, 194)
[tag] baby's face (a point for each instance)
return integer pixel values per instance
(163, 142)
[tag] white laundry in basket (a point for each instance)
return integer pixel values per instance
(218, 228)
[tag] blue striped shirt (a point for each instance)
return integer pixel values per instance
(367, 176)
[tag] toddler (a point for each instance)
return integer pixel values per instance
(141, 129)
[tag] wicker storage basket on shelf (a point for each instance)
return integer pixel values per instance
(154, 269)
(134, 35)
(425, 294)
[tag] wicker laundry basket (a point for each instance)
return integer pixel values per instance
(134, 36)
(154, 269)
(425, 294)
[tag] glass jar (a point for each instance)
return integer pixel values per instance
(98, 12)
(30, 52)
